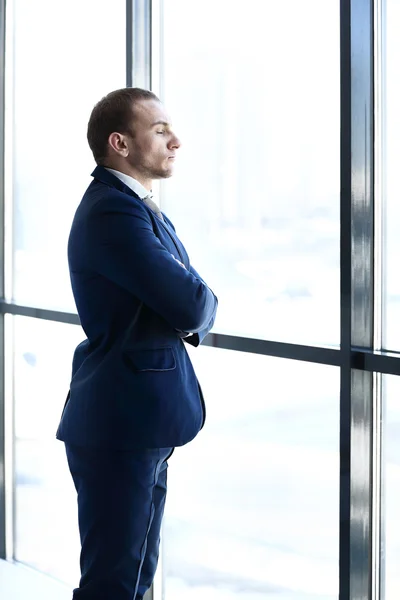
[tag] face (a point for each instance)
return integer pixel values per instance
(150, 152)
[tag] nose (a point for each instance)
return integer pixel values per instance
(175, 142)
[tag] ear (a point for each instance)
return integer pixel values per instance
(118, 143)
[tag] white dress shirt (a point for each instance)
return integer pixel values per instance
(132, 183)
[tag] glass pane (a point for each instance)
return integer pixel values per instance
(391, 157)
(391, 486)
(47, 535)
(64, 62)
(253, 503)
(254, 98)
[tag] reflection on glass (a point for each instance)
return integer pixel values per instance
(45, 501)
(253, 505)
(391, 487)
(253, 92)
(391, 136)
(64, 62)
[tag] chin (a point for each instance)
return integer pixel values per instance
(163, 174)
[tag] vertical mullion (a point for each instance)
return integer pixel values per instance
(357, 296)
(129, 42)
(362, 317)
(139, 44)
(345, 298)
(3, 528)
(380, 158)
(378, 533)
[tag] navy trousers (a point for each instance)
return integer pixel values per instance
(121, 498)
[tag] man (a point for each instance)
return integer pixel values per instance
(134, 395)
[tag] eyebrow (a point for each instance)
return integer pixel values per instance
(161, 123)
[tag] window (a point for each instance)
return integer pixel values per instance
(62, 62)
(274, 103)
(256, 190)
(391, 156)
(391, 488)
(46, 525)
(256, 496)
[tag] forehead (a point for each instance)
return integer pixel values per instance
(148, 112)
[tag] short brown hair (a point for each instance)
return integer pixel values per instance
(113, 113)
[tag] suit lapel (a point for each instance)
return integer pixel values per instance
(101, 174)
(177, 243)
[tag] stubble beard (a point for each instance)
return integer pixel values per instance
(161, 173)
(151, 172)
(157, 173)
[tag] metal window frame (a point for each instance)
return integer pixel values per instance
(138, 43)
(358, 358)
(3, 528)
(357, 296)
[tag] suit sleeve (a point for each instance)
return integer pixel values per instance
(197, 338)
(123, 248)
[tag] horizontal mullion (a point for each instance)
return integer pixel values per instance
(328, 356)
(387, 363)
(362, 359)
(39, 313)
(315, 354)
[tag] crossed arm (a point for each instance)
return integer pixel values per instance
(125, 249)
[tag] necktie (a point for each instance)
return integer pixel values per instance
(153, 206)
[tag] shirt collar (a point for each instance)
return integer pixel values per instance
(132, 183)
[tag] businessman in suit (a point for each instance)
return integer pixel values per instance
(134, 395)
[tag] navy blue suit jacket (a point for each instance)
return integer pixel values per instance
(133, 385)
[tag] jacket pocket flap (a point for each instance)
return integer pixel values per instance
(156, 359)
